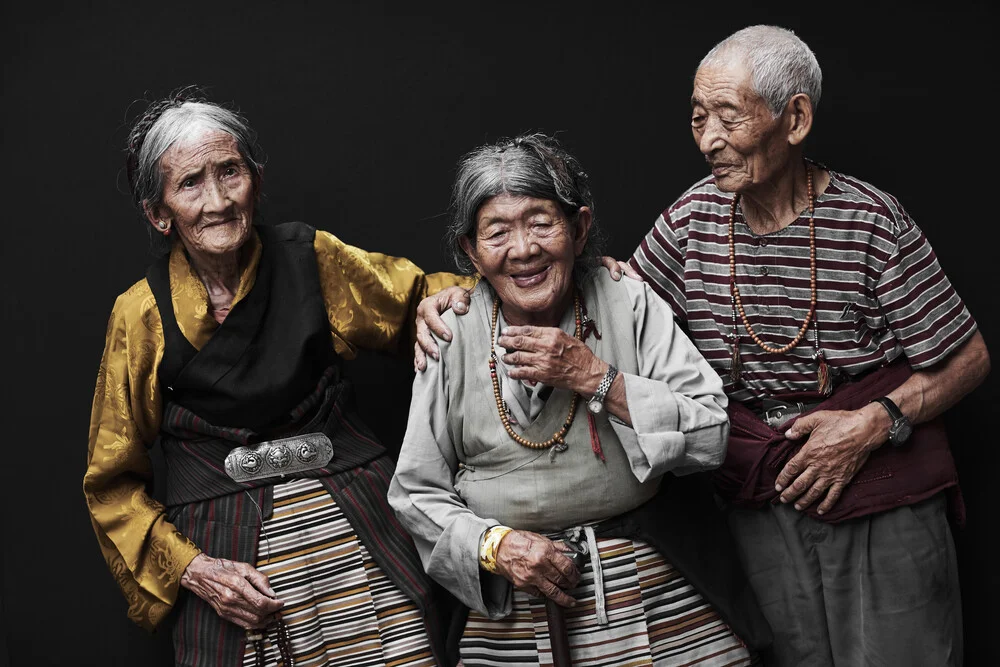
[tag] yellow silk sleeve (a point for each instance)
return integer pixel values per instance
(145, 553)
(371, 299)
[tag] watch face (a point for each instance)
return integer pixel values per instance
(595, 406)
(901, 430)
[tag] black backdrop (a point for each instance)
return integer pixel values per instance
(363, 110)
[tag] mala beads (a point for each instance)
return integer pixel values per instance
(558, 438)
(736, 367)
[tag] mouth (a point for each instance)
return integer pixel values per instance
(530, 277)
(719, 169)
(217, 223)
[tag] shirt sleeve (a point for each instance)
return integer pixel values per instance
(659, 259)
(446, 532)
(676, 401)
(921, 307)
(146, 554)
(371, 299)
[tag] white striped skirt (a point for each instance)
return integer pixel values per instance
(654, 617)
(340, 607)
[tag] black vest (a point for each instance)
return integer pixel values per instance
(270, 351)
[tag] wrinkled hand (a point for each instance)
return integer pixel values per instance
(839, 443)
(616, 268)
(551, 356)
(429, 319)
(538, 566)
(236, 591)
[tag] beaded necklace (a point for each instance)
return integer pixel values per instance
(736, 367)
(558, 438)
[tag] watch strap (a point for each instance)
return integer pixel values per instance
(890, 407)
(605, 385)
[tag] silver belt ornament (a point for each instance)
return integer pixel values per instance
(279, 458)
(778, 413)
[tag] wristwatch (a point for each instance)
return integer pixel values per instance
(596, 402)
(901, 427)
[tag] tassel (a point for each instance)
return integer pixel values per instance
(823, 375)
(736, 363)
(595, 441)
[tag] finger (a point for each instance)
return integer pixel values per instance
(419, 359)
(611, 264)
(558, 595)
(817, 489)
(246, 618)
(432, 318)
(528, 374)
(802, 427)
(832, 496)
(792, 469)
(800, 485)
(426, 341)
(460, 300)
(629, 271)
(259, 581)
(523, 358)
(253, 599)
(566, 569)
(525, 330)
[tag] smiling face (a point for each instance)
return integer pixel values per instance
(526, 248)
(208, 193)
(735, 130)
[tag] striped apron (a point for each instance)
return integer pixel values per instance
(633, 608)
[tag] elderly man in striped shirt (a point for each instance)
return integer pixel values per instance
(840, 341)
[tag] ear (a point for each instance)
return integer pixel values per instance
(581, 232)
(154, 214)
(258, 184)
(800, 118)
(470, 249)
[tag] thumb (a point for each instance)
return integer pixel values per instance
(802, 427)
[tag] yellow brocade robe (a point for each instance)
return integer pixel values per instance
(370, 300)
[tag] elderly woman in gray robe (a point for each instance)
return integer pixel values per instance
(532, 476)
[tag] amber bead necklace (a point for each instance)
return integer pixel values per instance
(558, 438)
(736, 367)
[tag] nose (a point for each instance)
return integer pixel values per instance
(522, 245)
(216, 200)
(711, 138)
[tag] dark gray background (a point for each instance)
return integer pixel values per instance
(363, 109)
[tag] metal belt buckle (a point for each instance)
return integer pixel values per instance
(279, 458)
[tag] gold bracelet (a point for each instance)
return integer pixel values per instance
(488, 547)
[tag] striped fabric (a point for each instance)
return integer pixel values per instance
(655, 618)
(340, 608)
(226, 524)
(881, 291)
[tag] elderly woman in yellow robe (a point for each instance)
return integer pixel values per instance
(275, 542)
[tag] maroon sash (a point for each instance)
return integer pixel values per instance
(892, 476)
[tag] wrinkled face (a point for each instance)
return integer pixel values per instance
(208, 193)
(526, 248)
(735, 130)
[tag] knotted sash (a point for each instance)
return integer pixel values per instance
(892, 477)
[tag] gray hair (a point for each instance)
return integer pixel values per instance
(780, 64)
(174, 119)
(529, 165)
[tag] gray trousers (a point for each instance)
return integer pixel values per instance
(880, 590)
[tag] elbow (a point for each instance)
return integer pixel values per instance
(722, 446)
(978, 360)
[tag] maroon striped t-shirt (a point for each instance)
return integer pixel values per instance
(881, 291)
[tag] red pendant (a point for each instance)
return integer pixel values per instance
(825, 386)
